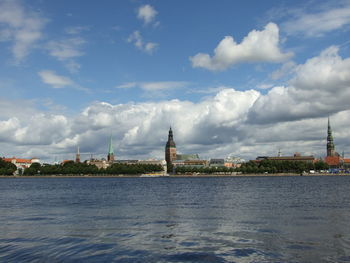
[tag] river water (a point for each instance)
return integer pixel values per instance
(236, 219)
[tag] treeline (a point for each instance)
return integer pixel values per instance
(204, 170)
(133, 169)
(72, 168)
(272, 166)
(7, 168)
(65, 169)
(265, 166)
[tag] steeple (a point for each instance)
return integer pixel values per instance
(330, 143)
(110, 156)
(170, 151)
(77, 156)
(170, 142)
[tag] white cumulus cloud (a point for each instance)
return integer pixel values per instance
(320, 86)
(327, 72)
(292, 117)
(257, 46)
(137, 40)
(21, 26)
(214, 127)
(146, 13)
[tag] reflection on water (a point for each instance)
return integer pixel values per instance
(264, 219)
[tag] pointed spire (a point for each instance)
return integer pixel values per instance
(110, 147)
(330, 143)
(170, 136)
(110, 155)
(170, 150)
(77, 156)
(170, 142)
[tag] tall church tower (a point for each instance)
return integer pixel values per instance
(77, 156)
(110, 156)
(330, 143)
(170, 150)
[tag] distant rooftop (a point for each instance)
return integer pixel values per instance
(187, 157)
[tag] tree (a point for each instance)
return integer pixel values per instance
(321, 165)
(7, 168)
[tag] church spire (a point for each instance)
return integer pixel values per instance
(170, 151)
(330, 143)
(110, 156)
(170, 142)
(77, 156)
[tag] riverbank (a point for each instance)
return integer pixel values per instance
(172, 175)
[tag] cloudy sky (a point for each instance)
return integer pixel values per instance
(242, 78)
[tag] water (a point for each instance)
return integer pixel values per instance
(253, 219)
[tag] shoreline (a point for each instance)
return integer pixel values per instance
(173, 176)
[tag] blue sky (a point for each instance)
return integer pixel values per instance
(216, 71)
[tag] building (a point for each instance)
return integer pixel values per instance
(77, 156)
(190, 163)
(21, 163)
(233, 162)
(98, 163)
(297, 157)
(346, 163)
(333, 159)
(187, 157)
(170, 150)
(110, 155)
(217, 162)
(330, 144)
(129, 162)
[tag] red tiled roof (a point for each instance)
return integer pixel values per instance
(18, 160)
(332, 160)
(346, 160)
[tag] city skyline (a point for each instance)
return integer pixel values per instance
(254, 78)
(171, 154)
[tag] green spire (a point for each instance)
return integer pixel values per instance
(110, 147)
(330, 142)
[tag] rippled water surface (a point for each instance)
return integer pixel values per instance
(253, 219)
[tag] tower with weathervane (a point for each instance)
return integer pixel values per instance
(110, 156)
(330, 143)
(77, 156)
(170, 150)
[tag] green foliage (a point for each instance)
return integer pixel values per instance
(33, 169)
(119, 168)
(321, 165)
(72, 168)
(65, 169)
(203, 170)
(273, 166)
(7, 168)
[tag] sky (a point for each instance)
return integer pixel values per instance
(232, 78)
